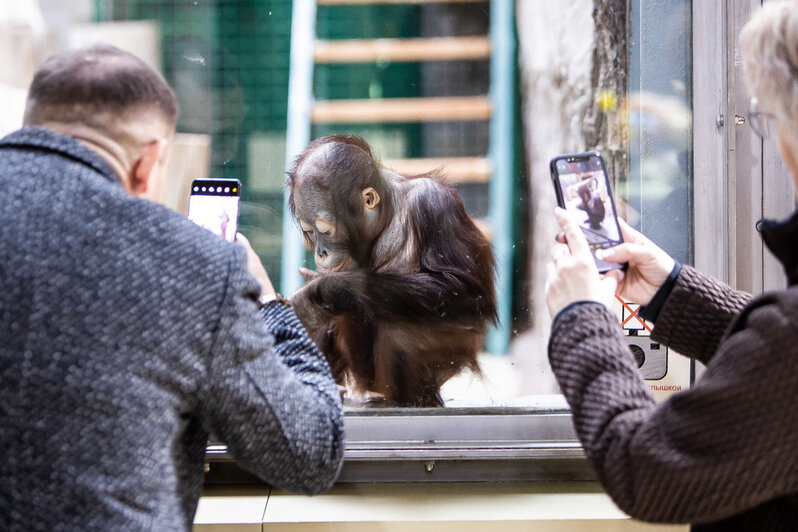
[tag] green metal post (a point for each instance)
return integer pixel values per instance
(501, 152)
(300, 100)
(98, 10)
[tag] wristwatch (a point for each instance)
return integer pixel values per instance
(272, 298)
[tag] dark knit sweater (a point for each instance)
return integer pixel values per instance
(127, 335)
(722, 455)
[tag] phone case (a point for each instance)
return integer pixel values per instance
(582, 187)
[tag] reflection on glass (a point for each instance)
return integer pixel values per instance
(228, 62)
(658, 191)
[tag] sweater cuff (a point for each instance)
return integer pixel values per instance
(278, 315)
(651, 311)
(581, 322)
(572, 306)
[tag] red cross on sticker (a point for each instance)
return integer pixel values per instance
(629, 317)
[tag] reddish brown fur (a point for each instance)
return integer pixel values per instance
(414, 308)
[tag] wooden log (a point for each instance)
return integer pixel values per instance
(401, 110)
(190, 159)
(383, 2)
(372, 50)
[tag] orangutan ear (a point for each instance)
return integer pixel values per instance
(370, 197)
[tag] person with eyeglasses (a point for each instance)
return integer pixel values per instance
(722, 455)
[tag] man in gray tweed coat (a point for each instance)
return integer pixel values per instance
(128, 334)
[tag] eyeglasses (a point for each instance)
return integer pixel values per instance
(763, 124)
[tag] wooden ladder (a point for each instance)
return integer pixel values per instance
(497, 107)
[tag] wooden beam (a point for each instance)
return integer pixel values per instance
(354, 2)
(372, 50)
(454, 169)
(444, 109)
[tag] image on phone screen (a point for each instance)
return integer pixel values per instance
(214, 205)
(583, 190)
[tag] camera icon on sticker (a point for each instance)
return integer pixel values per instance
(651, 357)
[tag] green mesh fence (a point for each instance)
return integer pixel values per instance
(228, 61)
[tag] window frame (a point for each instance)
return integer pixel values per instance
(539, 442)
(496, 444)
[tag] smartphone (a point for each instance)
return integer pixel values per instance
(214, 203)
(583, 189)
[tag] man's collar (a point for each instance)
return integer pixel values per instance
(781, 237)
(39, 137)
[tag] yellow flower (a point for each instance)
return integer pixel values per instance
(607, 101)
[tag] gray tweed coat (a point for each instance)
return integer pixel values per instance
(127, 335)
(722, 455)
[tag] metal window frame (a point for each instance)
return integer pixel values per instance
(496, 444)
(451, 445)
(738, 175)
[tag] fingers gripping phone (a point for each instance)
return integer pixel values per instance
(583, 189)
(213, 204)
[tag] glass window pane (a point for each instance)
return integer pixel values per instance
(591, 76)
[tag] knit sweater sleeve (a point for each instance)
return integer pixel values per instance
(297, 351)
(715, 450)
(270, 395)
(697, 313)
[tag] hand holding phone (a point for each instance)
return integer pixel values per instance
(255, 267)
(583, 189)
(572, 275)
(649, 266)
(214, 205)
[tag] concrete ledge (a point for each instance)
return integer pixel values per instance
(455, 507)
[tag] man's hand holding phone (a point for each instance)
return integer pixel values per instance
(214, 204)
(255, 267)
(573, 275)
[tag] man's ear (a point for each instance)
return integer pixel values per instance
(144, 171)
(370, 197)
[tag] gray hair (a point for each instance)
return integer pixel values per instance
(82, 85)
(770, 61)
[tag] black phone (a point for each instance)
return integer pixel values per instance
(214, 204)
(583, 189)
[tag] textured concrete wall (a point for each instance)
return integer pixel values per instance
(556, 47)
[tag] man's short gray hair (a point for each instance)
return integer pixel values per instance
(770, 61)
(83, 85)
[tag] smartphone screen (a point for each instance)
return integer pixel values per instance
(583, 189)
(213, 204)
